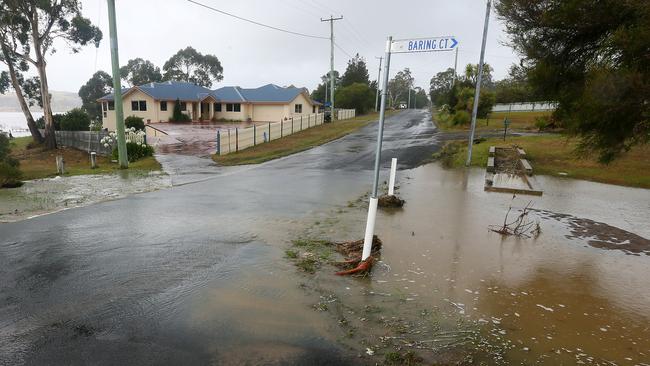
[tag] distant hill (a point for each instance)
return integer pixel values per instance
(61, 102)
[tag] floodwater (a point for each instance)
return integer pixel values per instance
(196, 274)
(577, 293)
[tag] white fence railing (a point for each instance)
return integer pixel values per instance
(237, 139)
(524, 107)
(135, 137)
(346, 113)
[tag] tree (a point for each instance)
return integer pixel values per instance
(177, 114)
(138, 71)
(357, 96)
(191, 66)
(399, 86)
(75, 120)
(465, 97)
(440, 87)
(33, 26)
(471, 75)
(319, 93)
(421, 99)
(356, 72)
(590, 56)
(25, 92)
(514, 88)
(100, 84)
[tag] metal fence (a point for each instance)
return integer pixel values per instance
(236, 139)
(346, 113)
(524, 107)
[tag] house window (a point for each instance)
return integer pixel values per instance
(313, 109)
(105, 115)
(233, 107)
(104, 106)
(217, 107)
(138, 105)
(111, 106)
(298, 108)
(163, 105)
(183, 106)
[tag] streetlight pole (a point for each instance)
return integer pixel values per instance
(478, 85)
(378, 81)
(372, 207)
(331, 20)
(117, 88)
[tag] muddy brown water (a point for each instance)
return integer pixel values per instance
(578, 293)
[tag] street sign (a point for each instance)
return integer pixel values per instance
(432, 44)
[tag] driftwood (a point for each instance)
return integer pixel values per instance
(522, 226)
(352, 250)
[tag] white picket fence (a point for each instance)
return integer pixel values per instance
(237, 139)
(135, 137)
(346, 113)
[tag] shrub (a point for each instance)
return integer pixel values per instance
(75, 120)
(9, 173)
(541, 123)
(178, 115)
(461, 117)
(135, 151)
(134, 122)
(56, 119)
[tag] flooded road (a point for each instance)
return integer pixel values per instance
(196, 274)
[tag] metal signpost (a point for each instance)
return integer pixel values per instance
(414, 45)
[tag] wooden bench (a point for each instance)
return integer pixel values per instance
(525, 165)
(492, 151)
(490, 164)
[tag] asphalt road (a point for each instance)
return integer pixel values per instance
(192, 274)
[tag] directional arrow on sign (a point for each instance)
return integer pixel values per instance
(453, 44)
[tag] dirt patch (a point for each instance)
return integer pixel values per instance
(600, 235)
(390, 201)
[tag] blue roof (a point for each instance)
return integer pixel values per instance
(172, 90)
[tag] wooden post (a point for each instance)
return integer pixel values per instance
(93, 160)
(218, 142)
(281, 128)
(236, 139)
(60, 165)
(292, 126)
(269, 131)
(254, 135)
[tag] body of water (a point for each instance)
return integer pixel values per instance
(16, 123)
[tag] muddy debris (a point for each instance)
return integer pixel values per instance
(353, 250)
(391, 201)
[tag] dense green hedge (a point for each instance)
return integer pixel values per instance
(9, 172)
(134, 122)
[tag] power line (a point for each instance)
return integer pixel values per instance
(257, 23)
(342, 50)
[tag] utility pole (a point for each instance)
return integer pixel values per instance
(117, 88)
(478, 84)
(331, 20)
(408, 104)
(455, 68)
(378, 82)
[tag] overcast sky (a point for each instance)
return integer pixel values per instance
(252, 56)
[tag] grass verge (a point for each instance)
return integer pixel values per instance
(519, 121)
(297, 142)
(554, 154)
(36, 162)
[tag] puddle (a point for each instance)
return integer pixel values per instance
(563, 297)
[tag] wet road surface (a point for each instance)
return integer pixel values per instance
(191, 274)
(196, 274)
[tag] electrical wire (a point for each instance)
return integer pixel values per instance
(342, 50)
(256, 23)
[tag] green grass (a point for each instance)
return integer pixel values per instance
(555, 153)
(36, 162)
(519, 121)
(297, 142)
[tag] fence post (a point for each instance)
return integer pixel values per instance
(292, 125)
(269, 131)
(218, 142)
(254, 135)
(93, 160)
(281, 128)
(229, 149)
(300, 123)
(236, 139)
